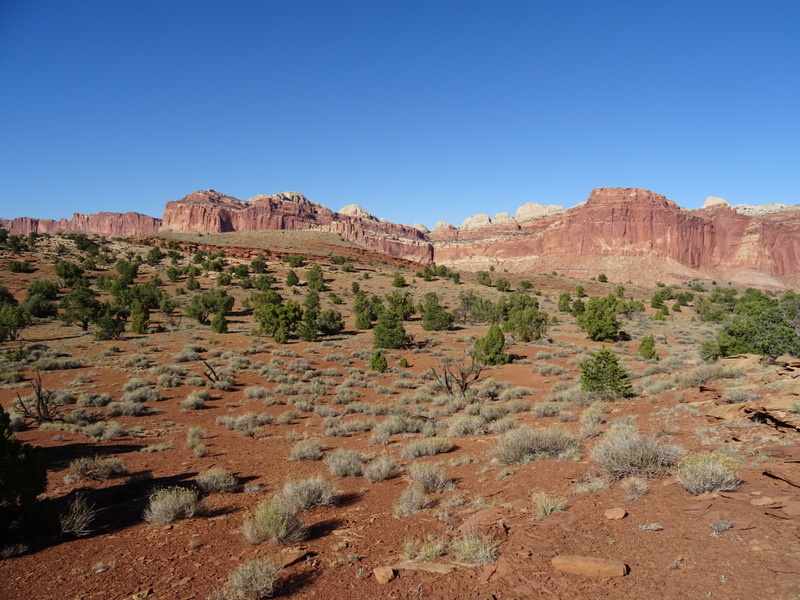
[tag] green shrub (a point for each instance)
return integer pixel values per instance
(378, 362)
(599, 319)
(603, 373)
(219, 324)
(490, 350)
(647, 348)
(389, 332)
(22, 479)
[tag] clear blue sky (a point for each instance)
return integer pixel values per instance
(416, 110)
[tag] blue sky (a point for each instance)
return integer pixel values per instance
(417, 111)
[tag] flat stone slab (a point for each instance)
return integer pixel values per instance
(589, 566)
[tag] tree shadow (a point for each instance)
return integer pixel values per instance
(56, 457)
(346, 499)
(323, 528)
(289, 585)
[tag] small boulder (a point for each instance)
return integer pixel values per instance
(616, 513)
(384, 574)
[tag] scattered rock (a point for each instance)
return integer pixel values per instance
(291, 557)
(788, 473)
(762, 501)
(440, 568)
(589, 566)
(616, 513)
(384, 575)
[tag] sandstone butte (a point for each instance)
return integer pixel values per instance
(627, 233)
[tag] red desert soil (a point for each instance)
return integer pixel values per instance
(665, 538)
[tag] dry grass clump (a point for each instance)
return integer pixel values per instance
(168, 504)
(306, 450)
(428, 548)
(141, 394)
(547, 409)
(195, 400)
(345, 463)
(110, 430)
(428, 447)
(194, 441)
(430, 478)
(252, 580)
(90, 400)
(474, 549)
(503, 425)
(309, 493)
(704, 373)
(216, 480)
(523, 445)
(126, 408)
(274, 519)
(134, 383)
(739, 396)
(635, 486)
(412, 500)
(98, 468)
(462, 425)
(77, 519)
(547, 505)
(623, 452)
(256, 392)
(380, 469)
(707, 472)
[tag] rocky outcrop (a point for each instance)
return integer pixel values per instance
(127, 224)
(637, 235)
(354, 210)
(211, 212)
(526, 212)
(627, 233)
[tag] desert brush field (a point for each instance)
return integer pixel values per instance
(301, 418)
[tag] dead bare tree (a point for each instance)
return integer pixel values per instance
(456, 376)
(40, 405)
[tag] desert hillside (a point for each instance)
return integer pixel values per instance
(216, 419)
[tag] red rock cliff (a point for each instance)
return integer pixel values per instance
(103, 223)
(212, 212)
(637, 235)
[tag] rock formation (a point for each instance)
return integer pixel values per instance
(104, 223)
(212, 212)
(637, 235)
(629, 234)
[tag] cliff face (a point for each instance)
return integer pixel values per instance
(659, 239)
(104, 223)
(627, 233)
(212, 212)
